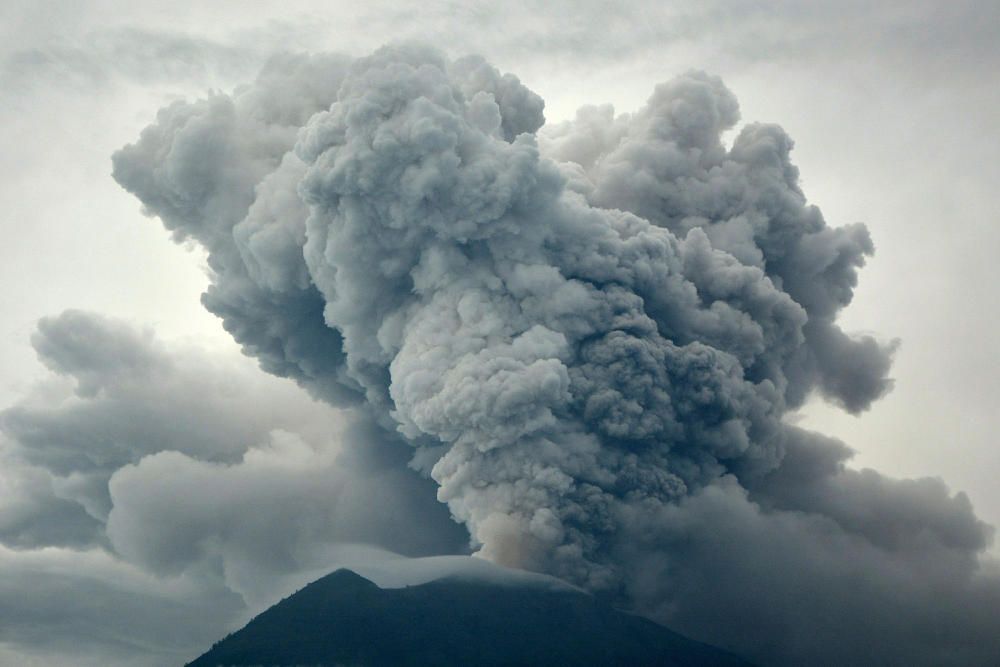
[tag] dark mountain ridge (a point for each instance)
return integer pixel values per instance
(346, 620)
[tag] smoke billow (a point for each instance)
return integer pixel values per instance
(589, 334)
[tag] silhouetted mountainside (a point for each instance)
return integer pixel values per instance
(345, 620)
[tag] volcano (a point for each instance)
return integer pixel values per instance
(345, 619)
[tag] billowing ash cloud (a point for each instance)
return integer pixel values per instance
(589, 334)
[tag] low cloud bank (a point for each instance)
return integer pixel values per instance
(155, 496)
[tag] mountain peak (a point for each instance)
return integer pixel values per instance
(344, 618)
(345, 579)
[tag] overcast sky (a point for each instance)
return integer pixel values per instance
(893, 109)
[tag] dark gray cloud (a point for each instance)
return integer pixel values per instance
(277, 511)
(127, 391)
(590, 338)
(840, 565)
(34, 512)
(86, 607)
(180, 491)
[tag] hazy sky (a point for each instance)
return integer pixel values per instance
(893, 110)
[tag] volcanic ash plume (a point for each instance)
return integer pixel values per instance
(589, 333)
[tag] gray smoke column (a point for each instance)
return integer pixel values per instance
(589, 333)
